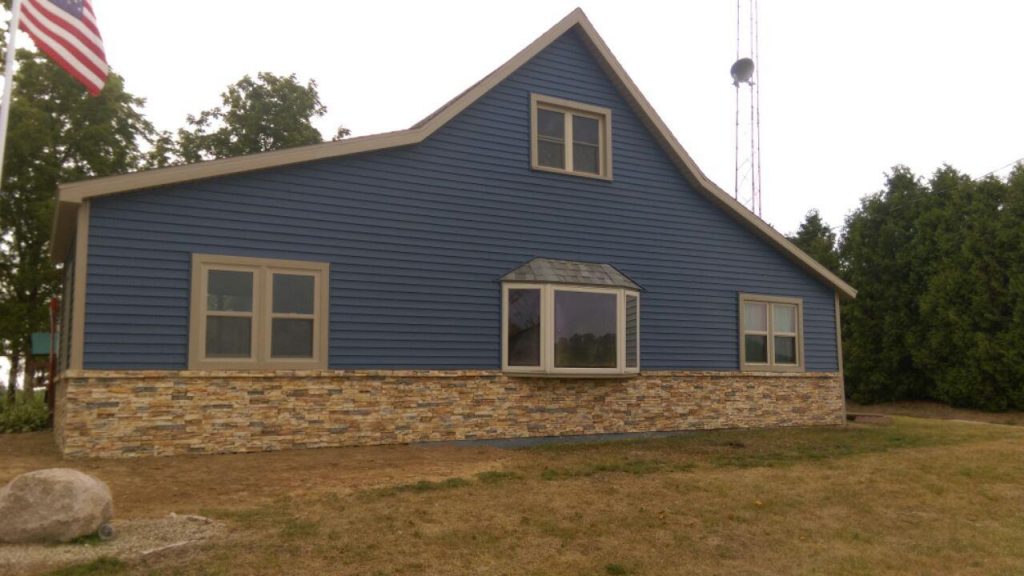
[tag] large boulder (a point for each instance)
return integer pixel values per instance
(53, 505)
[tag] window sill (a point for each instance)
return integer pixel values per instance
(572, 375)
(539, 168)
(770, 368)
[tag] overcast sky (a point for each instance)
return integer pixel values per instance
(847, 89)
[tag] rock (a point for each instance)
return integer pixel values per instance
(53, 505)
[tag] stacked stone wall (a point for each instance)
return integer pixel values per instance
(127, 413)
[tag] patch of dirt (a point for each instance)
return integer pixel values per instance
(154, 486)
(923, 409)
(866, 418)
(134, 539)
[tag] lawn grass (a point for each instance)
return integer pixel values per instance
(916, 496)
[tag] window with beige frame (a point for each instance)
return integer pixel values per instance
(255, 313)
(556, 329)
(771, 333)
(570, 137)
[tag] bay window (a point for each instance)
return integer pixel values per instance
(570, 329)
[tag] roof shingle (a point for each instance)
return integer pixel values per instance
(569, 272)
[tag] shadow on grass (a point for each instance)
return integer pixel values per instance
(756, 448)
(634, 467)
(100, 566)
(423, 486)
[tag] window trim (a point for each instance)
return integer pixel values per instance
(263, 270)
(547, 333)
(569, 107)
(771, 365)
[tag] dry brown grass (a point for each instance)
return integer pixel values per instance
(921, 409)
(148, 487)
(916, 497)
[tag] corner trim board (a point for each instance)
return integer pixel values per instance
(77, 341)
(839, 352)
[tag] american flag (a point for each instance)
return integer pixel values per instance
(66, 31)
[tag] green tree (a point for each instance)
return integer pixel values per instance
(967, 308)
(818, 240)
(1011, 237)
(57, 133)
(940, 269)
(879, 251)
(268, 113)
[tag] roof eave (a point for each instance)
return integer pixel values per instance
(63, 230)
(692, 172)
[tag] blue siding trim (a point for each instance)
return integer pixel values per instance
(417, 238)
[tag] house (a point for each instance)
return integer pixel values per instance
(539, 257)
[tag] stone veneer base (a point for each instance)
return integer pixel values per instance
(129, 413)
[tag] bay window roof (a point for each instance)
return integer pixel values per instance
(548, 271)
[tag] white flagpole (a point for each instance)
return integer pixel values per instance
(5, 104)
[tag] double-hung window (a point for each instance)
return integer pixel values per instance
(771, 333)
(251, 313)
(570, 137)
(566, 329)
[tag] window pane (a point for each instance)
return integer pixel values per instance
(291, 338)
(229, 291)
(551, 154)
(524, 327)
(756, 348)
(585, 330)
(585, 130)
(755, 317)
(585, 159)
(631, 332)
(228, 337)
(785, 350)
(784, 318)
(551, 124)
(293, 294)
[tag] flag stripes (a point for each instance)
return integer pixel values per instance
(66, 31)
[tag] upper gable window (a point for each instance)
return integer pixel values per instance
(570, 137)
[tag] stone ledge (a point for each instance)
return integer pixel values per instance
(231, 374)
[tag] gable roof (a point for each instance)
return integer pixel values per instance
(570, 272)
(73, 194)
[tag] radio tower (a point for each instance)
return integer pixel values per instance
(747, 181)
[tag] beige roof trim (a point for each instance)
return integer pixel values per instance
(78, 192)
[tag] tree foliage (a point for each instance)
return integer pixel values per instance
(256, 115)
(818, 240)
(939, 265)
(57, 133)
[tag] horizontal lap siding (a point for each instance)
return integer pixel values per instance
(417, 238)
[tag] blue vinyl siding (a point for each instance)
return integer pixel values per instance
(417, 238)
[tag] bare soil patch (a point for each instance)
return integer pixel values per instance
(135, 540)
(921, 409)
